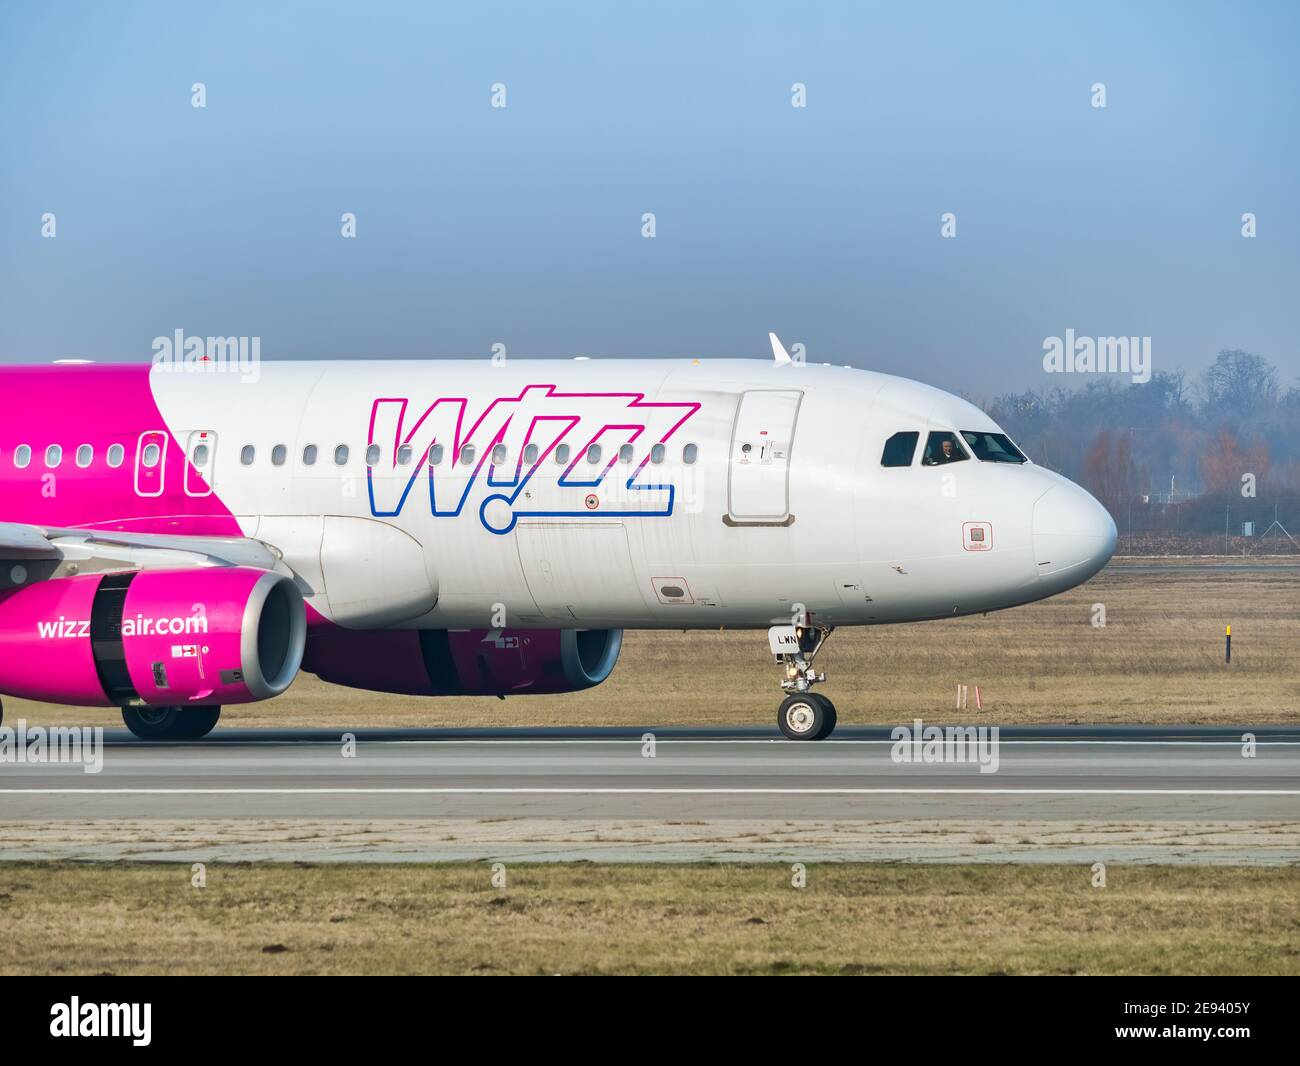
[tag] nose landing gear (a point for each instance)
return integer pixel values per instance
(803, 714)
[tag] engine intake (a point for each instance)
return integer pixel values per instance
(216, 635)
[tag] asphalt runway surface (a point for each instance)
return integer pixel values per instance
(1189, 568)
(1056, 773)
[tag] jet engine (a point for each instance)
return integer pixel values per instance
(210, 635)
(470, 662)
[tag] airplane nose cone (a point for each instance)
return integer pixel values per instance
(1074, 536)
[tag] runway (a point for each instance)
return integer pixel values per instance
(1060, 773)
(1207, 568)
(259, 737)
(1070, 794)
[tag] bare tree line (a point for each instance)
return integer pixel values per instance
(1200, 456)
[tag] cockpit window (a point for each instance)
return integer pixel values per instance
(993, 447)
(942, 448)
(899, 449)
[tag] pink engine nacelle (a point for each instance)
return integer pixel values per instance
(470, 662)
(157, 638)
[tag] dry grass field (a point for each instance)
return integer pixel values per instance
(589, 919)
(1159, 658)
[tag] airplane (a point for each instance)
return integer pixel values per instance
(175, 537)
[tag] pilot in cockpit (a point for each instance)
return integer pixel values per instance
(942, 448)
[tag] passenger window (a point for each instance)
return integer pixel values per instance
(690, 453)
(435, 454)
(899, 449)
(404, 455)
(309, 455)
(22, 455)
(561, 453)
(625, 453)
(941, 448)
(85, 456)
(247, 454)
(499, 454)
(593, 454)
(53, 456)
(993, 447)
(116, 453)
(200, 455)
(278, 454)
(151, 455)
(530, 454)
(467, 454)
(341, 455)
(372, 455)
(657, 454)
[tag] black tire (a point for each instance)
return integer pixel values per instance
(803, 716)
(170, 723)
(828, 727)
(198, 722)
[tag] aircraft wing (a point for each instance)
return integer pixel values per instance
(47, 552)
(23, 540)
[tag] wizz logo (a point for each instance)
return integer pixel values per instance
(536, 449)
(71, 628)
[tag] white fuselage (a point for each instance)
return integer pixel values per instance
(786, 505)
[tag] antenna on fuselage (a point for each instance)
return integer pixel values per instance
(778, 350)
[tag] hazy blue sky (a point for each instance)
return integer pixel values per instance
(523, 225)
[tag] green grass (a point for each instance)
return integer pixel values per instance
(1159, 659)
(689, 919)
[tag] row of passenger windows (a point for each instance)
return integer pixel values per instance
(942, 447)
(437, 454)
(85, 455)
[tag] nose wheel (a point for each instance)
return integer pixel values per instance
(803, 714)
(806, 716)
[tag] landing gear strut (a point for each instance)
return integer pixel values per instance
(803, 714)
(170, 723)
